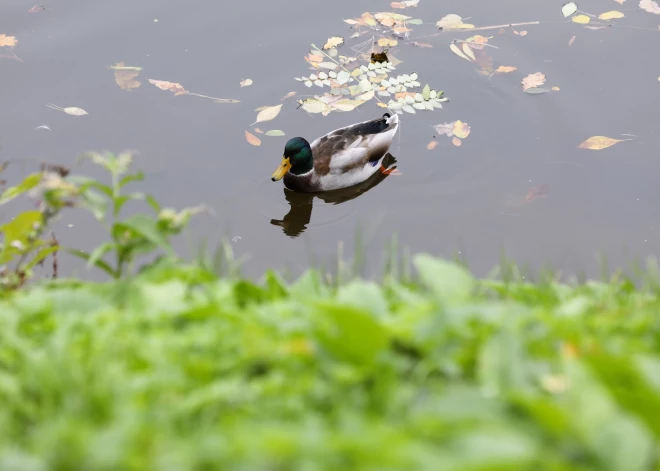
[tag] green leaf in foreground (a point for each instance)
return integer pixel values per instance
(449, 282)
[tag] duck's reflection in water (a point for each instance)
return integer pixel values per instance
(295, 221)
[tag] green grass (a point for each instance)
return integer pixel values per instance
(177, 370)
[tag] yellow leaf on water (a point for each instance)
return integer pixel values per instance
(381, 104)
(252, 139)
(581, 19)
(468, 52)
(555, 89)
(598, 143)
(461, 129)
(611, 15)
(333, 42)
(431, 145)
(386, 42)
(457, 142)
(9, 41)
(533, 80)
(454, 48)
(268, 113)
(505, 69)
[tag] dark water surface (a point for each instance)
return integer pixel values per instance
(469, 199)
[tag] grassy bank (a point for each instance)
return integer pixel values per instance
(180, 370)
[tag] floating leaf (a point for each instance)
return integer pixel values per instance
(520, 33)
(169, 86)
(537, 90)
(246, 83)
(288, 95)
(421, 44)
(568, 9)
(533, 80)
(125, 76)
(445, 128)
(274, 133)
(404, 4)
(540, 191)
(571, 41)
(646, 5)
(555, 89)
(461, 129)
(468, 52)
(8, 41)
(252, 139)
(36, 9)
(431, 145)
(453, 21)
(343, 77)
(454, 48)
(258, 131)
(505, 69)
(457, 142)
(333, 42)
(611, 15)
(72, 110)
(268, 113)
(367, 19)
(581, 19)
(386, 42)
(598, 143)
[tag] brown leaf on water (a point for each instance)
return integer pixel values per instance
(8, 41)
(539, 191)
(520, 33)
(378, 57)
(288, 95)
(314, 58)
(125, 78)
(457, 142)
(258, 131)
(461, 129)
(477, 41)
(36, 9)
(333, 42)
(598, 143)
(650, 6)
(533, 80)
(571, 41)
(431, 145)
(505, 69)
(252, 139)
(169, 86)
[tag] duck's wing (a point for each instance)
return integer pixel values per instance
(354, 146)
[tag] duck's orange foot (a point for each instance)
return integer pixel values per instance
(389, 171)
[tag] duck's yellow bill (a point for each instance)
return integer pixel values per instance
(282, 169)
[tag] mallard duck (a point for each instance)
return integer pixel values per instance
(342, 158)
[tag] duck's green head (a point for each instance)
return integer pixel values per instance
(297, 159)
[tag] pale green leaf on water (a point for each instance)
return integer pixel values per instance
(568, 9)
(409, 109)
(343, 77)
(536, 90)
(415, 21)
(27, 184)
(274, 133)
(426, 93)
(328, 65)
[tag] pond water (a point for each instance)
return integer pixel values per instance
(476, 199)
